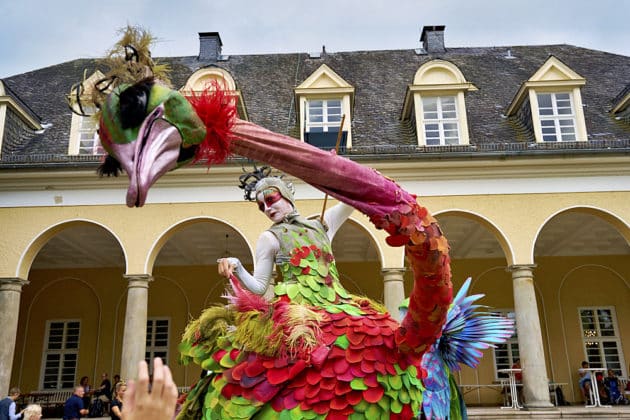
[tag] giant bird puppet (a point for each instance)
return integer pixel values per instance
(313, 351)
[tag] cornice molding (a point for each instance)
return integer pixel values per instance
(403, 170)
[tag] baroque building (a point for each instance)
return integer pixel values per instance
(521, 153)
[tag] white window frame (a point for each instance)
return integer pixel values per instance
(511, 344)
(440, 120)
(62, 352)
(594, 337)
(326, 115)
(557, 118)
(84, 138)
(91, 143)
(153, 349)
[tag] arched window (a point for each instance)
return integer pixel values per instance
(435, 104)
(200, 79)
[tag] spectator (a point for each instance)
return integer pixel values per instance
(116, 380)
(105, 389)
(117, 402)
(32, 412)
(585, 382)
(604, 398)
(157, 404)
(73, 409)
(87, 396)
(613, 386)
(518, 375)
(7, 406)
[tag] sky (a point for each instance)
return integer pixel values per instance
(40, 33)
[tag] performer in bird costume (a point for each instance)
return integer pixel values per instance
(312, 350)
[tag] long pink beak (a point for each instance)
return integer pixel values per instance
(154, 153)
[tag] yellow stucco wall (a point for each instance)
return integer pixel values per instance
(98, 297)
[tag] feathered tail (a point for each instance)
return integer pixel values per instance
(468, 331)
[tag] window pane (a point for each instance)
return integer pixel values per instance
(430, 115)
(315, 104)
(544, 100)
(565, 110)
(448, 102)
(429, 104)
(450, 127)
(514, 349)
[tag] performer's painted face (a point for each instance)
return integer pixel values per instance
(273, 204)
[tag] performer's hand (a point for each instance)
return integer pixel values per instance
(226, 267)
(159, 403)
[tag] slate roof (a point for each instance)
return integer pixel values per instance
(380, 78)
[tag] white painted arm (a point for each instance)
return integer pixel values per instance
(335, 217)
(266, 249)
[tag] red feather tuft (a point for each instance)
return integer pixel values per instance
(244, 300)
(217, 109)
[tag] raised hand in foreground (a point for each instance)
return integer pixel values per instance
(140, 403)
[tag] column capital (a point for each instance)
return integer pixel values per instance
(13, 284)
(138, 280)
(521, 270)
(393, 274)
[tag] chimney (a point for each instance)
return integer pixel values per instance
(209, 46)
(432, 39)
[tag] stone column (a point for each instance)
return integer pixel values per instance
(10, 291)
(135, 334)
(530, 344)
(393, 289)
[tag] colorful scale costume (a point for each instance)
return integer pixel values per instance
(313, 351)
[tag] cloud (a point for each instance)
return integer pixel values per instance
(36, 34)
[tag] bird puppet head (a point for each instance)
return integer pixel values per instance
(148, 128)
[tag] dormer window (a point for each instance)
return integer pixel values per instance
(204, 77)
(89, 142)
(550, 104)
(323, 100)
(84, 138)
(435, 104)
(621, 105)
(12, 107)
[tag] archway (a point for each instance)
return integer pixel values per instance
(582, 266)
(75, 273)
